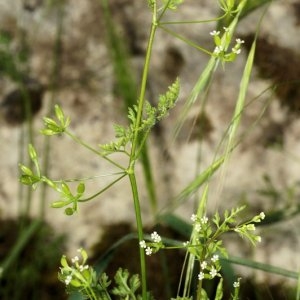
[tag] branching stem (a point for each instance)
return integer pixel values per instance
(134, 152)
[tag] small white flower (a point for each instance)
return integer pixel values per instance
(148, 251)
(236, 284)
(258, 239)
(194, 217)
(226, 29)
(155, 237)
(213, 272)
(68, 279)
(143, 244)
(215, 258)
(185, 244)
(214, 33)
(82, 268)
(250, 227)
(79, 250)
(239, 41)
(204, 220)
(236, 51)
(198, 227)
(203, 265)
(201, 276)
(218, 50)
(75, 259)
(262, 215)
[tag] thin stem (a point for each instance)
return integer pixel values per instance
(104, 189)
(139, 222)
(133, 156)
(82, 143)
(193, 21)
(143, 89)
(188, 42)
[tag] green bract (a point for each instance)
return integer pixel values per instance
(53, 127)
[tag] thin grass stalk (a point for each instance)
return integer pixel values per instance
(25, 138)
(194, 186)
(24, 237)
(206, 76)
(261, 266)
(192, 258)
(239, 108)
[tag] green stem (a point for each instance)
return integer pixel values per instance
(143, 89)
(133, 156)
(104, 189)
(188, 42)
(192, 21)
(82, 143)
(139, 223)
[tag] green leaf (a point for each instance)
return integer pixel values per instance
(50, 122)
(29, 180)
(219, 292)
(25, 170)
(134, 283)
(172, 4)
(80, 188)
(120, 131)
(63, 262)
(66, 190)
(48, 132)
(59, 113)
(75, 283)
(32, 152)
(59, 204)
(168, 100)
(123, 288)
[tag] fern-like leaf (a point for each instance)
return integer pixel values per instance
(168, 100)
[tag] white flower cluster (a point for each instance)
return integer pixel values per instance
(220, 48)
(72, 271)
(237, 48)
(155, 237)
(152, 247)
(212, 268)
(198, 223)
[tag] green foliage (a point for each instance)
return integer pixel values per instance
(53, 127)
(172, 4)
(81, 278)
(152, 115)
(206, 233)
(67, 198)
(219, 292)
(205, 246)
(227, 6)
(126, 286)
